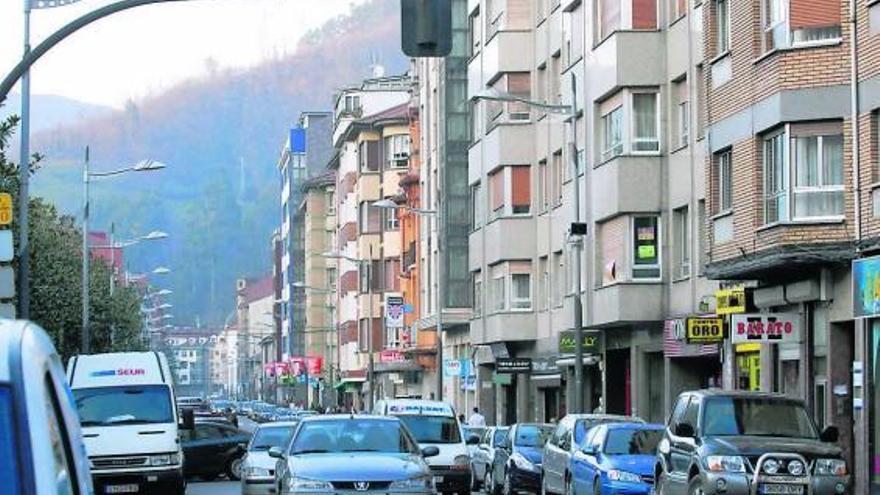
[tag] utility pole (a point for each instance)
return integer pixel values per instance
(370, 364)
(24, 276)
(578, 243)
(439, 296)
(84, 346)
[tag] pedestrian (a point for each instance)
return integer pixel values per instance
(461, 419)
(476, 418)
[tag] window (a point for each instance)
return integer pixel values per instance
(682, 232)
(541, 85)
(700, 104)
(581, 161)
(722, 26)
(701, 233)
(812, 161)
(478, 293)
(496, 191)
(474, 31)
(557, 173)
(476, 128)
(392, 275)
(644, 14)
(799, 22)
(331, 279)
(555, 89)
(543, 283)
(678, 8)
(392, 222)
(330, 199)
(724, 176)
(646, 248)
(521, 291)
(612, 134)
(645, 123)
(351, 106)
(543, 186)
(477, 203)
(682, 112)
(363, 335)
(370, 219)
(397, 151)
(511, 286)
(510, 190)
(558, 278)
(499, 297)
(609, 17)
(521, 193)
(368, 156)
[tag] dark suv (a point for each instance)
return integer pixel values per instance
(746, 443)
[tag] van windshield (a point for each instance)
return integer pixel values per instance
(432, 429)
(8, 448)
(127, 405)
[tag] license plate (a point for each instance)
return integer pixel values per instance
(774, 489)
(438, 479)
(130, 488)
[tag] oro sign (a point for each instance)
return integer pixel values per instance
(704, 330)
(771, 328)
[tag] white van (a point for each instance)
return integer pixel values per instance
(129, 421)
(41, 446)
(434, 423)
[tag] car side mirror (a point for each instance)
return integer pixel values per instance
(276, 453)
(483, 446)
(684, 430)
(430, 451)
(188, 418)
(590, 450)
(830, 434)
(473, 440)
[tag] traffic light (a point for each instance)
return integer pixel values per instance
(426, 27)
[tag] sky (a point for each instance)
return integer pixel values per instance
(145, 50)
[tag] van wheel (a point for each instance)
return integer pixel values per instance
(695, 486)
(233, 468)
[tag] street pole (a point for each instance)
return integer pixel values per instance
(578, 250)
(24, 278)
(84, 346)
(370, 363)
(112, 280)
(439, 297)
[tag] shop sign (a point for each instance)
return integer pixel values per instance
(704, 330)
(545, 366)
(391, 356)
(469, 383)
(866, 287)
(393, 311)
(451, 367)
(591, 342)
(502, 378)
(464, 368)
(771, 328)
(513, 365)
(730, 301)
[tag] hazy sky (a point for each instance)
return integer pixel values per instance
(147, 49)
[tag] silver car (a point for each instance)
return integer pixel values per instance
(258, 468)
(564, 443)
(352, 454)
(484, 454)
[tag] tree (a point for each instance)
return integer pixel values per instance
(55, 265)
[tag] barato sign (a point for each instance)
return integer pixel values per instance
(704, 330)
(771, 328)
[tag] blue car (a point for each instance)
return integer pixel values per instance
(617, 459)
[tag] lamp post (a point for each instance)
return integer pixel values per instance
(388, 204)
(143, 166)
(370, 359)
(577, 231)
(120, 245)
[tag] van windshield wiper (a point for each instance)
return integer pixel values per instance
(311, 451)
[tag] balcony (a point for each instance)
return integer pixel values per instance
(510, 238)
(626, 59)
(508, 144)
(626, 184)
(368, 187)
(505, 327)
(507, 51)
(626, 303)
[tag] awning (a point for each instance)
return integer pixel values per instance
(547, 381)
(569, 361)
(538, 378)
(354, 379)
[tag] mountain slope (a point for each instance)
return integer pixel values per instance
(221, 137)
(50, 111)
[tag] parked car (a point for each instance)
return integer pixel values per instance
(258, 468)
(33, 392)
(739, 443)
(484, 454)
(345, 453)
(517, 463)
(616, 459)
(212, 449)
(564, 443)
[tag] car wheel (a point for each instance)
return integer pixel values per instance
(597, 487)
(233, 468)
(507, 490)
(659, 487)
(695, 486)
(543, 484)
(569, 486)
(209, 476)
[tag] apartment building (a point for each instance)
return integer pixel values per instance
(317, 213)
(255, 303)
(371, 138)
(305, 154)
(791, 114)
(631, 161)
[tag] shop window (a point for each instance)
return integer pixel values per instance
(645, 248)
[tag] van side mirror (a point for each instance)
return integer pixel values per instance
(473, 440)
(430, 451)
(684, 430)
(276, 453)
(830, 434)
(189, 419)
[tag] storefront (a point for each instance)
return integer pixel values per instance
(696, 364)
(549, 390)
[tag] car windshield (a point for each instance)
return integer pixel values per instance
(432, 429)
(8, 448)
(500, 436)
(352, 435)
(756, 416)
(583, 425)
(140, 404)
(273, 436)
(532, 435)
(625, 441)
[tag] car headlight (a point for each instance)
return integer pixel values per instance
(725, 463)
(771, 466)
(615, 475)
(796, 468)
(425, 482)
(258, 472)
(305, 485)
(522, 463)
(830, 467)
(162, 459)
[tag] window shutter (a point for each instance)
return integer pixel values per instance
(644, 15)
(496, 183)
(521, 186)
(814, 13)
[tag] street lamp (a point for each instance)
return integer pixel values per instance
(162, 271)
(577, 231)
(388, 204)
(142, 166)
(114, 245)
